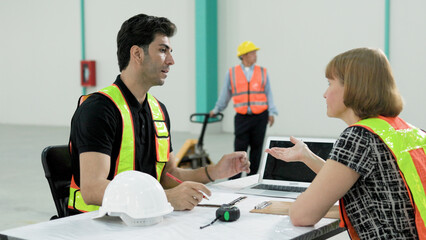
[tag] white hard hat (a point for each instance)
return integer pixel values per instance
(137, 198)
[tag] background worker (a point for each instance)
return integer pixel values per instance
(248, 85)
(122, 127)
(376, 165)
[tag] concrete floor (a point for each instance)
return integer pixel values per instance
(25, 196)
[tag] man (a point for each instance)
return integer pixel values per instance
(122, 127)
(248, 85)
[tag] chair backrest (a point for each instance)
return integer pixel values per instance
(56, 162)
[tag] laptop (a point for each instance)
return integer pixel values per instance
(278, 178)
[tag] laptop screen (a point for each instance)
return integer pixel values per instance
(294, 171)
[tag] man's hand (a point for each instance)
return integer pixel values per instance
(186, 195)
(271, 120)
(229, 165)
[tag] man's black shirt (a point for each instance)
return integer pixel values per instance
(97, 127)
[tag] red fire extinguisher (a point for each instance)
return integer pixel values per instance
(88, 73)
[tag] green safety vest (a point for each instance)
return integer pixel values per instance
(408, 145)
(126, 159)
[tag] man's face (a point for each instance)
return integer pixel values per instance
(157, 62)
(250, 58)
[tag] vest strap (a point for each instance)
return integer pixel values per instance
(127, 148)
(344, 221)
(162, 137)
(408, 145)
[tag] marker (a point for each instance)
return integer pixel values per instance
(180, 181)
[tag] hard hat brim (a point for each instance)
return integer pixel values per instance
(102, 213)
(241, 54)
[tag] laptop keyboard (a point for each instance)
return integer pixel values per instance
(280, 188)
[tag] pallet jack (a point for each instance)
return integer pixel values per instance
(192, 154)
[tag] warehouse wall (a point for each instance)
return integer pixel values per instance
(298, 39)
(41, 50)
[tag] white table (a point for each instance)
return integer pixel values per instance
(182, 224)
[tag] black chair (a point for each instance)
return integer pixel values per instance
(56, 162)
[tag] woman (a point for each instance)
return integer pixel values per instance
(362, 169)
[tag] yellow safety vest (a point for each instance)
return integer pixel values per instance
(408, 145)
(126, 159)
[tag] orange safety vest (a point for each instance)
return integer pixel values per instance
(247, 94)
(408, 146)
(126, 158)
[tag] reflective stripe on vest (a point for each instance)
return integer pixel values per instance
(75, 200)
(247, 94)
(126, 159)
(408, 145)
(162, 138)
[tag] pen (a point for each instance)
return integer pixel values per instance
(173, 177)
(180, 181)
(237, 200)
(263, 205)
(209, 205)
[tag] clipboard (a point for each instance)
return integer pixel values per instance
(281, 208)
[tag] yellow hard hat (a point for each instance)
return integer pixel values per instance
(246, 47)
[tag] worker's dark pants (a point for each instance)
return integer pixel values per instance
(250, 131)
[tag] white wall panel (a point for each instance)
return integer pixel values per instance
(41, 50)
(298, 39)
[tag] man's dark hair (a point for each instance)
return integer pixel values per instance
(140, 30)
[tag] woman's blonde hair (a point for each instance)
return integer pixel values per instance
(369, 86)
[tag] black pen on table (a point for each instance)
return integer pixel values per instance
(180, 181)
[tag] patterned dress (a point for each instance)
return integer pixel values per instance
(378, 204)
